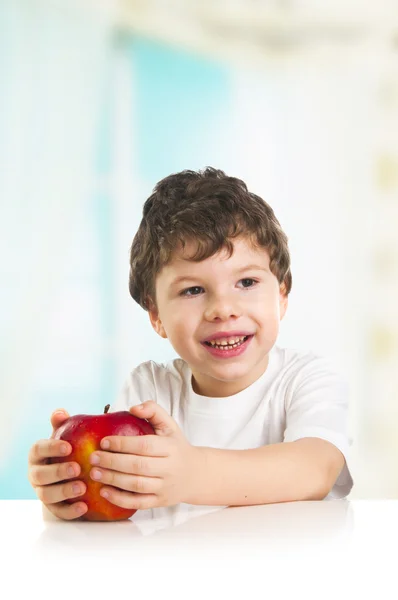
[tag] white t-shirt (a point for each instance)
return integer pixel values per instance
(298, 396)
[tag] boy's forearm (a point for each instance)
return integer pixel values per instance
(276, 473)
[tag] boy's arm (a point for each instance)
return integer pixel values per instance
(302, 470)
(164, 469)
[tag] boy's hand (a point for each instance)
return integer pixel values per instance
(45, 478)
(147, 471)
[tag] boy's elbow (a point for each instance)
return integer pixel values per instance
(322, 490)
(326, 467)
(317, 488)
(326, 480)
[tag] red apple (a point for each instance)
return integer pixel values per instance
(84, 433)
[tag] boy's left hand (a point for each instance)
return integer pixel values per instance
(147, 471)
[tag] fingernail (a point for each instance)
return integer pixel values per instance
(64, 449)
(105, 444)
(94, 459)
(95, 474)
(76, 488)
(104, 494)
(71, 471)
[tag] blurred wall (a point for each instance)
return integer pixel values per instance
(52, 81)
(93, 115)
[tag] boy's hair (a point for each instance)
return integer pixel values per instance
(207, 207)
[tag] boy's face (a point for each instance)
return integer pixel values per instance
(220, 294)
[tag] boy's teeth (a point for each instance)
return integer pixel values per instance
(227, 341)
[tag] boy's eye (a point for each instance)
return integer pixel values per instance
(185, 292)
(250, 280)
(191, 291)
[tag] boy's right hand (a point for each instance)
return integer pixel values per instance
(50, 481)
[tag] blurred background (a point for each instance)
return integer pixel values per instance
(101, 99)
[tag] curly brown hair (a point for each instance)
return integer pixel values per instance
(211, 208)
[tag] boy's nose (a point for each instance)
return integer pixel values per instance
(222, 308)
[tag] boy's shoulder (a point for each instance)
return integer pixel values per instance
(302, 373)
(151, 380)
(299, 361)
(152, 371)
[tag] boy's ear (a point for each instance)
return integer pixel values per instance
(156, 322)
(283, 301)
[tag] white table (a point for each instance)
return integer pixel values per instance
(329, 549)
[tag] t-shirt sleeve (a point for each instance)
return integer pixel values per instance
(317, 406)
(137, 388)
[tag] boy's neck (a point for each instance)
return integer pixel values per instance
(205, 385)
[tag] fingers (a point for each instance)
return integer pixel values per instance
(44, 449)
(59, 492)
(54, 473)
(66, 511)
(145, 445)
(45, 480)
(58, 417)
(48, 480)
(160, 419)
(129, 463)
(129, 500)
(128, 482)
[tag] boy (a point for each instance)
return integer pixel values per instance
(238, 420)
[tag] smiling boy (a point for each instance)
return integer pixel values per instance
(238, 420)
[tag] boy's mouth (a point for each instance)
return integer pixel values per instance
(228, 350)
(228, 344)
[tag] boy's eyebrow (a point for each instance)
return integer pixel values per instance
(237, 271)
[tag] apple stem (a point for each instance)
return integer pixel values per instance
(107, 407)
